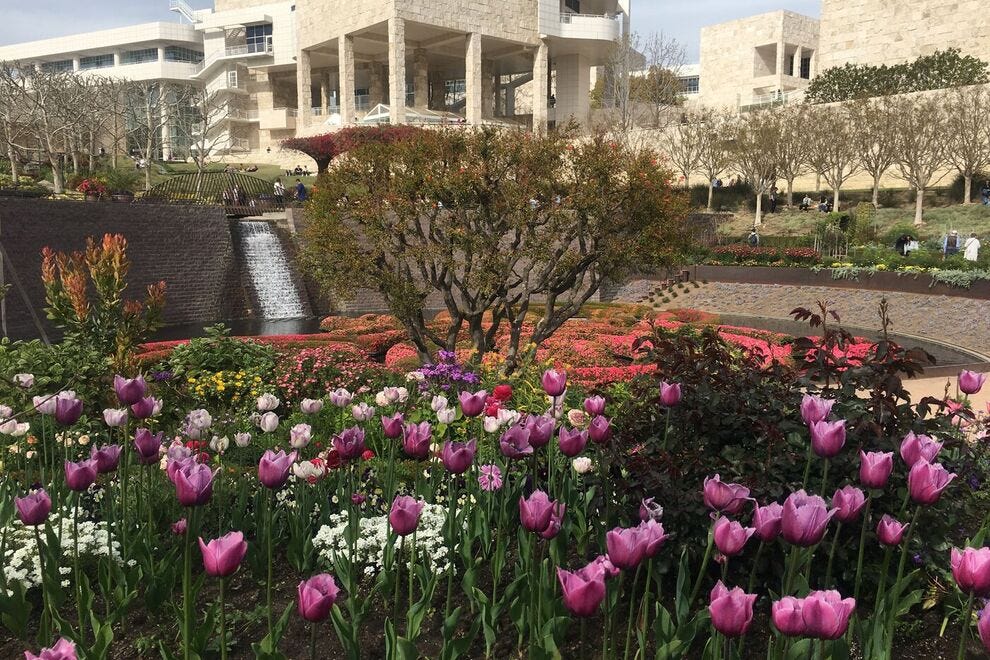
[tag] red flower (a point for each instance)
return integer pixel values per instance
(491, 410)
(367, 455)
(502, 392)
(333, 459)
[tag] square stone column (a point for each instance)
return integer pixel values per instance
(304, 88)
(325, 94)
(487, 88)
(472, 80)
(396, 71)
(421, 78)
(541, 88)
(438, 98)
(781, 50)
(573, 89)
(345, 78)
(376, 84)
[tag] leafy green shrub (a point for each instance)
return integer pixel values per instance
(218, 351)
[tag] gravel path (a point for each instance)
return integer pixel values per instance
(959, 321)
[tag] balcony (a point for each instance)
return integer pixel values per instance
(277, 119)
(266, 49)
(598, 27)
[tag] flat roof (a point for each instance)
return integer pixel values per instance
(102, 40)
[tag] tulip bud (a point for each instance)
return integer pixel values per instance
(581, 464)
(594, 406)
(766, 520)
(554, 382)
(300, 436)
(582, 591)
(33, 509)
(81, 475)
(404, 514)
(815, 409)
(971, 569)
(457, 457)
(828, 438)
(927, 481)
(731, 537)
(971, 382)
(875, 468)
(889, 531)
(311, 406)
(273, 469)
(472, 405)
(267, 402)
(670, 394)
(848, 502)
(115, 417)
(268, 422)
(222, 556)
(731, 611)
(446, 415)
(242, 439)
(63, 650)
(129, 390)
(316, 597)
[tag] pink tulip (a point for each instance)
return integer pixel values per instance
(535, 511)
(556, 521)
(273, 468)
(731, 537)
(193, 484)
(594, 406)
(828, 438)
(626, 546)
(63, 650)
(80, 476)
(653, 537)
(916, 448)
(583, 590)
(815, 409)
(984, 628)
(33, 509)
(554, 382)
(804, 519)
(786, 615)
(766, 520)
(971, 382)
(731, 611)
(514, 442)
(600, 430)
(540, 429)
(317, 596)
(416, 439)
(724, 497)
(129, 390)
(473, 405)
(457, 457)
(601, 566)
(670, 394)
(179, 527)
(889, 531)
(571, 442)
(107, 458)
(404, 514)
(147, 446)
(926, 481)
(971, 569)
(392, 426)
(222, 556)
(875, 468)
(826, 614)
(349, 443)
(848, 503)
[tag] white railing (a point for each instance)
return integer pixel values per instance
(183, 8)
(566, 17)
(236, 51)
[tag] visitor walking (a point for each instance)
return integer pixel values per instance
(985, 193)
(972, 248)
(773, 200)
(950, 244)
(300, 191)
(279, 195)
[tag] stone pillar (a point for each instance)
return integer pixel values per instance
(161, 53)
(438, 97)
(472, 80)
(781, 49)
(325, 94)
(510, 100)
(304, 88)
(75, 60)
(396, 71)
(573, 89)
(421, 78)
(798, 54)
(345, 79)
(487, 88)
(541, 87)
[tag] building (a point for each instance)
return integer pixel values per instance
(306, 66)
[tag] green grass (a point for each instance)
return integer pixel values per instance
(266, 172)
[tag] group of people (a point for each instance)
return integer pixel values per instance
(298, 171)
(279, 193)
(953, 243)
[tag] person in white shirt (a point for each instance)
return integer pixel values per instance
(971, 251)
(279, 195)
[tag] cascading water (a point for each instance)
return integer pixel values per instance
(268, 268)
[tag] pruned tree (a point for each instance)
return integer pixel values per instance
(682, 142)
(752, 148)
(875, 135)
(489, 223)
(792, 146)
(612, 88)
(659, 87)
(324, 148)
(714, 157)
(832, 147)
(968, 122)
(209, 132)
(921, 145)
(151, 107)
(14, 117)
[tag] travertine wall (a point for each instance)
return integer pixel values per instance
(895, 31)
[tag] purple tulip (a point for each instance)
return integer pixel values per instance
(68, 410)
(889, 531)
(457, 457)
(392, 426)
(670, 394)
(601, 566)
(107, 458)
(848, 503)
(731, 611)
(175, 461)
(145, 407)
(815, 409)
(787, 618)
(273, 468)
(600, 430)
(828, 438)
(594, 406)
(983, 627)
(179, 527)
(731, 537)
(766, 520)
(33, 508)
(80, 476)
(826, 614)
(349, 443)
(404, 514)
(971, 569)
(514, 442)
(650, 510)
(193, 483)
(626, 546)
(926, 481)
(916, 448)
(358, 498)
(583, 590)
(653, 537)
(804, 519)
(473, 405)
(571, 442)
(129, 390)
(147, 446)
(724, 497)
(416, 440)
(875, 468)
(317, 596)
(556, 521)
(222, 556)
(535, 511)
(540, 429)
(63, 650)
(554, 382)
(971, 382)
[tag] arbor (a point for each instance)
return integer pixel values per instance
(832, 147)
(875, 137)
(920, 146)
(324, 148)
(752, 149)
(713, 148)
(489, 223)
(968, 124)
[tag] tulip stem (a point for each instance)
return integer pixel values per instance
(629, 617)
(704, 564)
(807, 469)
(642, 604)
(45, 605)
(312, 641)
(862, 545)
(756, 566)
(223, 624)
(967, 621)
(268, 580)
(77, 578)
(398, 578)
(409, 571)
(892, 617)
(831, 554)
(187, 585)
(451, 519)
(824, 477)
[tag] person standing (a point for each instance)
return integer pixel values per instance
(972, 248)
(950, 244)
(773, 200)
(300, 191)
(985, 193)
(279, 195)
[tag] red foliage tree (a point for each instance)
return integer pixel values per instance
(324, 148)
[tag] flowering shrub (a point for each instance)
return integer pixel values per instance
(314, 372)
(741, 254)
(92, 187)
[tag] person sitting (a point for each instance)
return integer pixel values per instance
(951, 244)
(806, 203)
(823, 204)
(298, 171)
(300, 191)
(754, 238)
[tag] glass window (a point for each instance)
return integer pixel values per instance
(96, 62)
(690, 84)
(179, 54)
(573, 5)
(259, 38)
(806, 68)
(55, 67)
(139, 56)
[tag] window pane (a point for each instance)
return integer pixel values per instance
(96, 62)
(55, 67)
(139, 56)
(178, 54)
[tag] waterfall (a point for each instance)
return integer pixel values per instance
(268, 268)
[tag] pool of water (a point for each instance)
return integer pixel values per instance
(242, 328)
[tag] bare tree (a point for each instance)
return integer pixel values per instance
(622, 60)
(792, 149)
(681, 142)
(921, 145)
(967, 112)
(113, 100)
(713, 152)
(875, 137)
(151, 107)
(832, 147)
(659, 87)
(210, 132)
(13, 117)
(753, 151)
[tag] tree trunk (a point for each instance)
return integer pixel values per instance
(57, 180)
(759, 210)
(12, 157)
(835, 198)
(876, 192)
(790, 192)
(687, 181)
(919, 206)
(818, 182)
(711, 195)
(968, 190)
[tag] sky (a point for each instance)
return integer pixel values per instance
(680, 19)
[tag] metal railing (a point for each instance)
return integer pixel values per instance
(240, 144)
(236, 51)
(566, 17)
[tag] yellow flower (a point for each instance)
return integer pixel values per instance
(191, 379)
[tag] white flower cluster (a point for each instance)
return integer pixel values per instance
(22, 564)
(331, 540)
